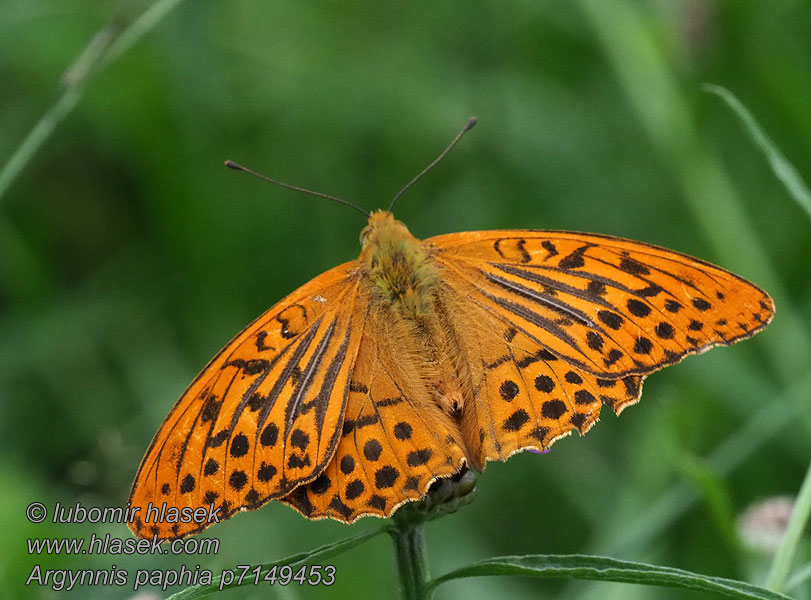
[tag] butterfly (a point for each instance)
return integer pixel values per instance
(356, 392)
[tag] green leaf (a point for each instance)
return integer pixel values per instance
(295, 560)
(783, 169)
(577, 566)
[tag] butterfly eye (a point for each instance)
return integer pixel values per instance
(363, 235)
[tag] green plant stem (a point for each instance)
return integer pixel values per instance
(37, 136)
(412, 559)
(91, 65)
(785, 172)
(781, 564)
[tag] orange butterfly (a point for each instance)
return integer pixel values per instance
(357, 391)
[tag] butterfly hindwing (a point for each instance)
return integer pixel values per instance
(263, 416)
(609, 306)
(395, 439)
(521, 395)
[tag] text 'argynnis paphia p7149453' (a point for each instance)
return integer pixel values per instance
(350, 396)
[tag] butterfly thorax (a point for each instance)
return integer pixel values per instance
(398, 266)
(404, 283)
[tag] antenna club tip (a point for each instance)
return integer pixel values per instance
(470, 123)
(231, 164)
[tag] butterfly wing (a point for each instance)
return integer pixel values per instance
(521, 395)
(553, 325)
(610, 306)
(263, 417)
(395, 439)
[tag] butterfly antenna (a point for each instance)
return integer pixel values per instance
(237, 167)
(468, 126)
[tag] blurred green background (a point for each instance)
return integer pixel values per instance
(129, 255)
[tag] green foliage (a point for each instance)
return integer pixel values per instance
(129, 256)
(599, 568)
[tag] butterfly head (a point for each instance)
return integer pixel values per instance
(397, 265)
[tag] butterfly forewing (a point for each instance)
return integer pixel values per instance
(609, 306)
(264, 415)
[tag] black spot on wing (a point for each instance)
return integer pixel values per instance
(634, 267)
(211, 408)
(260, 342)
(516, 420)
(240, 445)
(553, 409)
(550, 248)
(338, 506)
(386, 476)
(701, 304)
(525, 257)
(508, 390)
(187, 485)
(610, 319)
(211, 467)
(402, 430)
(418, 457)
(389, 402)
(372, 450)
(638, 308)
(595, 288)
(665, 331)
(574, 260)
(265, 472)
(252, 366)
(366, 420)
(321, 484)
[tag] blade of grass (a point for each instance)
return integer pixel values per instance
(652, 86)
(626, 31)
(76, 85)
(295, 560)
(781, 565)
(551, 566)
(802, 575)
(782, 168)
(731, 453)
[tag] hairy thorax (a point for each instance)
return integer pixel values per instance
(405, 285)
(398, 267)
